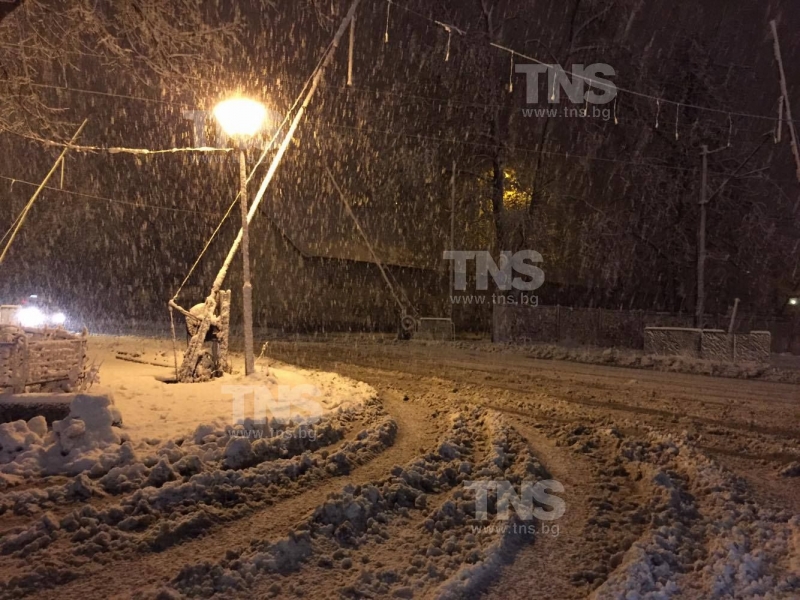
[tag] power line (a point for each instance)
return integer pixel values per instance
(112, 200)
(450, 29)
(658, 99)
(447, 101)
(362, 89)
(123, 150)
(452, 101)
(566, 155)
(109, 94)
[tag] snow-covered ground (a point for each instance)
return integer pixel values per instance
(153, 409)
(136, 409)
(674, 486)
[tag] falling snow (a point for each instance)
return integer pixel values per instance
(305, 410)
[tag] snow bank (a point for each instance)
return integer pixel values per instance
(635, 359)
(86, 441)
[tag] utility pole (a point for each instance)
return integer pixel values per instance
(452, 233)
(785, 92)
(701, 231)
(701, 245)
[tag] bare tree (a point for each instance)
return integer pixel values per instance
(150, 42)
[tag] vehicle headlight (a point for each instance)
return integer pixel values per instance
(30, 316)
(58, 318)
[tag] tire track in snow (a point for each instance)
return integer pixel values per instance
(155, 569)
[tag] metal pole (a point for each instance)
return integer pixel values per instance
(452, 234)
(732, 324)
(247, 287)
(701, 246)
(194, 350)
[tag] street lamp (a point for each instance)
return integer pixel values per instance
(241, 118)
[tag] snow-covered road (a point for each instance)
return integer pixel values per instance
(672, 485)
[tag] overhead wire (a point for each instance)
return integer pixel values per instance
(567, 155)
(658, 99)
(106, 199)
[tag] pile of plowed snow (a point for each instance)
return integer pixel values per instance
(86, 441)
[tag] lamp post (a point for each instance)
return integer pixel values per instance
(241, 118)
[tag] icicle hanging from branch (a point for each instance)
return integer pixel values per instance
(586, 103)
(677, 116)
(511, 76)
(350, 52)
(616, 120)
(388, 12)
(658, 111)
(449, 29)
(586, 100)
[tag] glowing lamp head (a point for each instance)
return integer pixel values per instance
(240, 116)
(794, 301)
